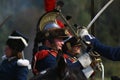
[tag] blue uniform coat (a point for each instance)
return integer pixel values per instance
(112, 53)
(49, 61)
(9, 70)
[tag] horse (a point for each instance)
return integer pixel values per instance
(60, 72)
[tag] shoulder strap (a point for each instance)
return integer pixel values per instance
(69, 58)
(54, 53)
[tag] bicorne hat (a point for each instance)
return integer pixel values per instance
(72, 41)
(17, 41)
(56, 33)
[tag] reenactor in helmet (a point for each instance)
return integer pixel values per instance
(52, 42)
(14, 66)
(47, 44)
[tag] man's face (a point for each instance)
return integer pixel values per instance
(58, 43)
(8, 51)
(76, 50)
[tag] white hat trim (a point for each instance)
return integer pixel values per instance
(16, 37)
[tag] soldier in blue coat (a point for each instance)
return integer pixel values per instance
(112, 53)
(13, 66)
(76, 51)
(46, 57)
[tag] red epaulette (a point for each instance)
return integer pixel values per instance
(54, 53)
(41, 54)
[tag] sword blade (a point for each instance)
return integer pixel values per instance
(98, 14)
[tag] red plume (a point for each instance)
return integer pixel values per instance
(49, 5)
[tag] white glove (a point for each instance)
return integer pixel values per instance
(83, 33)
